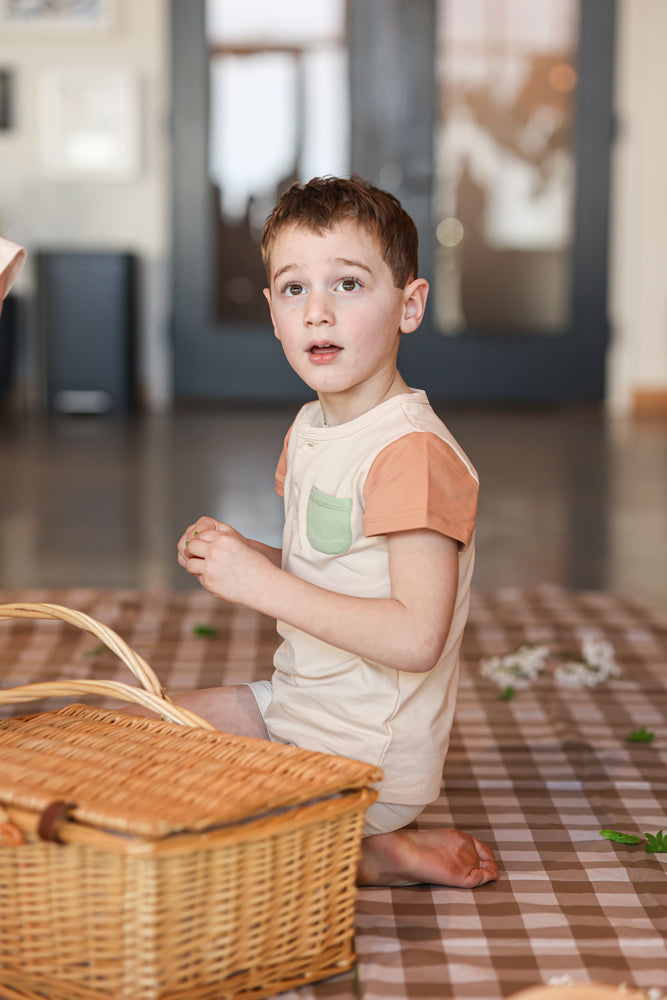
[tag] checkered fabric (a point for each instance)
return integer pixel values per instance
(536, 777)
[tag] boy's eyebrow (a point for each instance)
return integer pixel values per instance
(348, 262)
(285, 267)
(353, 263)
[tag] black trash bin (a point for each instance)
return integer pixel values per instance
(87, 330)
(8, 339)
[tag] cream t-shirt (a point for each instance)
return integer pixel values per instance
(345, 489)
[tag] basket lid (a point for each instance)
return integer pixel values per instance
(134, 775)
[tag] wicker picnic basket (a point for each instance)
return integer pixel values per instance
(144, 859)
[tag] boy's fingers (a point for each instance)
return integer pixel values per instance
(204, 524)
(195, 549)
(198, 546)
(193, 535)
(209, 534)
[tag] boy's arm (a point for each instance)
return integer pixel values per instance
(406, 631)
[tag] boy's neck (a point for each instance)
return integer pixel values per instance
(339, 408)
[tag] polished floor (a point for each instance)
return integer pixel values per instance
(568, 496)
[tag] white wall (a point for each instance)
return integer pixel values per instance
(638, 260)
(41, 213)
(135, 216)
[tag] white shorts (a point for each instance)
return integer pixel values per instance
(381, 817)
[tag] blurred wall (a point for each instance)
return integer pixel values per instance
(135, 215)
(131, 215)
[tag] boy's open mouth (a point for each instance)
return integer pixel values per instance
(324, 352)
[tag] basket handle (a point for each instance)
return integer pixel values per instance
(151, 695)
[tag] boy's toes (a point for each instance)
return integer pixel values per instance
(487, 872)
(488, 867)
(480, 874)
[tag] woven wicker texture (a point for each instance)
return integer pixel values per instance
(153, 778)
(192, 865)
(250, 916)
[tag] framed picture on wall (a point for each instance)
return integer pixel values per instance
(90, 124)
(93, 14)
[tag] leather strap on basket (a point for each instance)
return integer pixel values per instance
(54, 814)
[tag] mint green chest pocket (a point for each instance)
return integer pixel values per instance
(329, 523)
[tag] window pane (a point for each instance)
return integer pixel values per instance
(292, 22)
(504, 185)
(279, 112)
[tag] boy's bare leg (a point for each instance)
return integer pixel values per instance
(231, 709)
(440, 857)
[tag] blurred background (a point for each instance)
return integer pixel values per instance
(142, 146)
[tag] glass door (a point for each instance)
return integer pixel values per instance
(261, 100)
(490, 119)
(504, 166)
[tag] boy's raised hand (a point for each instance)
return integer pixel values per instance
(226, 563)
(191, 532)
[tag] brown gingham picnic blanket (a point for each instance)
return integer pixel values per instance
(537, 777)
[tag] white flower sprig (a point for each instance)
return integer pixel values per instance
(520, 667)
(596, 665)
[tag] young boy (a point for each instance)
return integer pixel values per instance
(371, 586)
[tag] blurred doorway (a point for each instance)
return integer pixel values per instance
(490, 119)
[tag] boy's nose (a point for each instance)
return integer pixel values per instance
(318, 309)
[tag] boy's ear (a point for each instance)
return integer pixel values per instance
(267, 296)
(415, 294)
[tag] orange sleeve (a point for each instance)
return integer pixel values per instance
(281, 468)
(419, 481)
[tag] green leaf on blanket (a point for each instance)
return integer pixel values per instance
(620, 838)
(97, 650)
(656, 843)
(204, 631)
(642, 735)
(507, 693)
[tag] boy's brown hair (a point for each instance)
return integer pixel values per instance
(325, 202)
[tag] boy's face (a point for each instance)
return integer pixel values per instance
(339, 316)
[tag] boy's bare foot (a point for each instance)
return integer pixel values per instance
(441, 857)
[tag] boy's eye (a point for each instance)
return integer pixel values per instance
(294, 288)
(349, 284)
